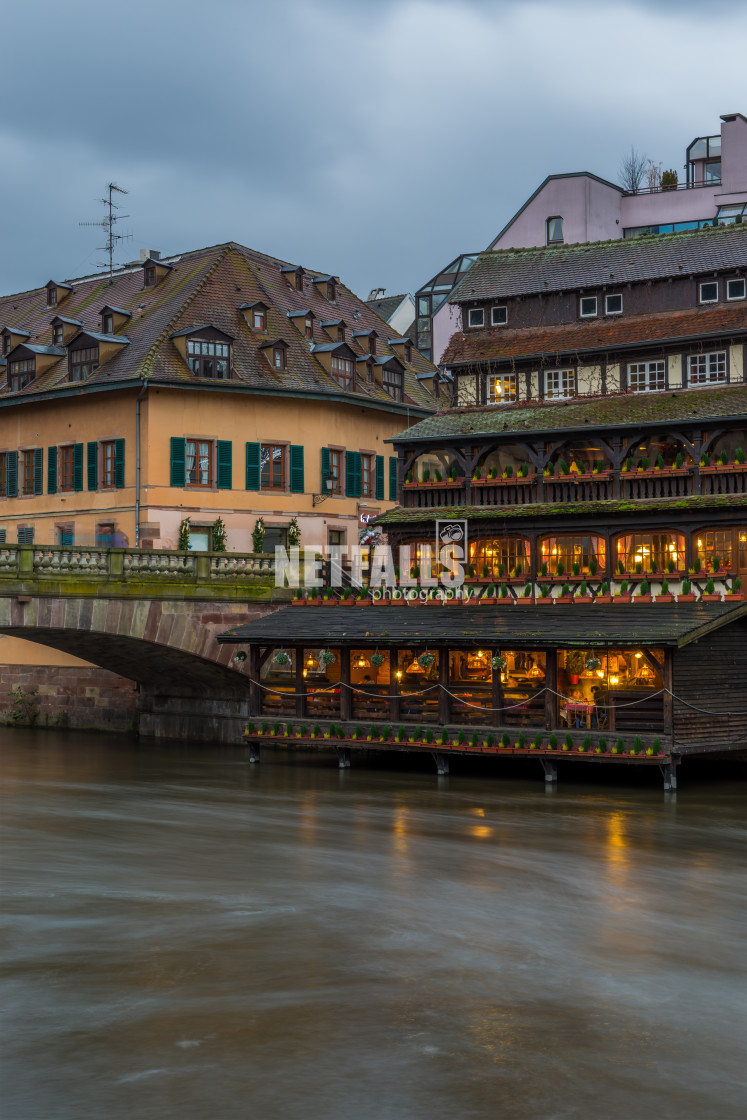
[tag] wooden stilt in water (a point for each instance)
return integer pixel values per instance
(343, 754)
(253, 752)
(669, 773)
(550, 768)
(442, 763)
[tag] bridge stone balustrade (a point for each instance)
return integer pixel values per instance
(151, 617)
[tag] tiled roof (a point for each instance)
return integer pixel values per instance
(537, 510)
(613, 410)
(526, 626)
(386, 306)
(512, 272)
(594, 334)
(206, 286)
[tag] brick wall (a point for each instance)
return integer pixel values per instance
(88, 698)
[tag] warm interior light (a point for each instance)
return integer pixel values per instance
(363, 662)
(614, 680)
(600, 672)
(639, 655)
(399, 675)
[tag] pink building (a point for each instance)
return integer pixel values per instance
(580, 207)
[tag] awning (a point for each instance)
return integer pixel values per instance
(515, 627)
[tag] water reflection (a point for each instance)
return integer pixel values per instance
(191, 937)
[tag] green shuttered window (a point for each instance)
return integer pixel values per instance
(353, 474)
(393, 478)
(38, 470)
(326, 469)
(93, 464)
(379, 478)
(119, 463)
(178, 451)
(296, 469)
(52, 470)
(11, 474)
(224, 474)
(252, 466)
(77, 466)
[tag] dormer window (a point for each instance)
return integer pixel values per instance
(278, 357)
(308, 326)
(51, 297)
(21, 373)
(342, 371)
(276, 351)
(208, 357)
(154, 271)
(554, 228)
(372, 343)
(476, 317)
(56, 293)
(107, 323)
(341, 333)
(112, 318)
(294, 274)
(149, 276)
(259, 318)
(82, 362)
(331, 291)
(408, 352)
(58, 334)
(393, 382)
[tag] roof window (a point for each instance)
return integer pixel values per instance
(613, 304)
(735, 289)
(154, 271)
(56, 293)
(112, 318)
(554, 230)
(498, 316)
(476, 317)
(21, 373)
(294, 274)
(708, 292)
(587, 307)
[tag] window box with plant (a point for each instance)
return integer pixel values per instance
(665, 595)
(710, 595)
(644, 592)
(735, 591)
(604, 594)
(623, 595)
(686, 595)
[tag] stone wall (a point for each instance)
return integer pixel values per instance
(88, 698)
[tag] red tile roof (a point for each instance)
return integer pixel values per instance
(207, 286)
(596, 335)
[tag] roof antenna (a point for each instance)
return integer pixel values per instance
(108, 225)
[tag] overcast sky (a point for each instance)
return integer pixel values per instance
(374, 139)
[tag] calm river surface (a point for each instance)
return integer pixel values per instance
(189, 937)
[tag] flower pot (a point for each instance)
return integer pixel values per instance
(382, 602)
(329, 602)
(347, 602)
(622, 598)
(488, 599)
(643, 599)
(603, 599)
(298, 602)
(584, 599)
(564, 600)
(544, 600)
(735, 596)
(716, 598)
(364, 602)
(574, 678)
(524, 599)
(668, 598)
(686, 598)
(506, 601)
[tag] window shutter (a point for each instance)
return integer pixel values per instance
(326, 469)
(178, 452)
(393, 463)
(119, 477)
(38, 470)
(224, 473)
(379, 478)
(296, 469)
(252, 466)
(93, 463)
(77, 466)
(52, 470)
(11, 474)
(353, 471)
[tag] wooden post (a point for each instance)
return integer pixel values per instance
(668, 698)
(346, 696)
(393, 686)
(444, 700)
(551, 682)
(300, 684)
(496, 693)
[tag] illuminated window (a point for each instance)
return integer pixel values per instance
(501, 389)
(654, 552)
(712, 544)
(564, 554)
(500, 557)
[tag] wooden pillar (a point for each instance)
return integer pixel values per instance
(496, 694)
(346, 696)
(444, 700)
(551, 682)
(668, 698)
(300, 683)
(393, 687)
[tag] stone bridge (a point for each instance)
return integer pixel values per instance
(151, 617)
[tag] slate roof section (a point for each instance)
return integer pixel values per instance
(618, 411)
(386, 306)
(525, 627)
(207, 286)
(513, 272)
(595, 335)
(538, 510)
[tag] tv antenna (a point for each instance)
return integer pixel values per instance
(108, 224)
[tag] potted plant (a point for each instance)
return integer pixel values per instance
(623, 595)
(505, 743)
(583, 595)
(552, 742)
(655, 748)
(665, 595)
(363, 599)
(686, 595)
(644, 593)
(604, 594)
(521, 742)
(735, 591)
(619, 747)
(585, 747)
(574, 664)
(299, 599)
(250, 728)
(303, 732)
(536, 744)
(601, 747)
(526, 596)
(568, 743)
(545, 595)
(489, 742)
(710, 595)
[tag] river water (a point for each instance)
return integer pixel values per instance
(186, 936)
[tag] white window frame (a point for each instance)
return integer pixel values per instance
(712, 368)
(736, 280)
(476, 311)
(498, 322)
(557, 240)
(588, 314)
(507, 392)
(613, 295)
(560, 384)
(657, 368)
(704, 284)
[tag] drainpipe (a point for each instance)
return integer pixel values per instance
(140, 397)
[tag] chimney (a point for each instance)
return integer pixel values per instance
(152, 254)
